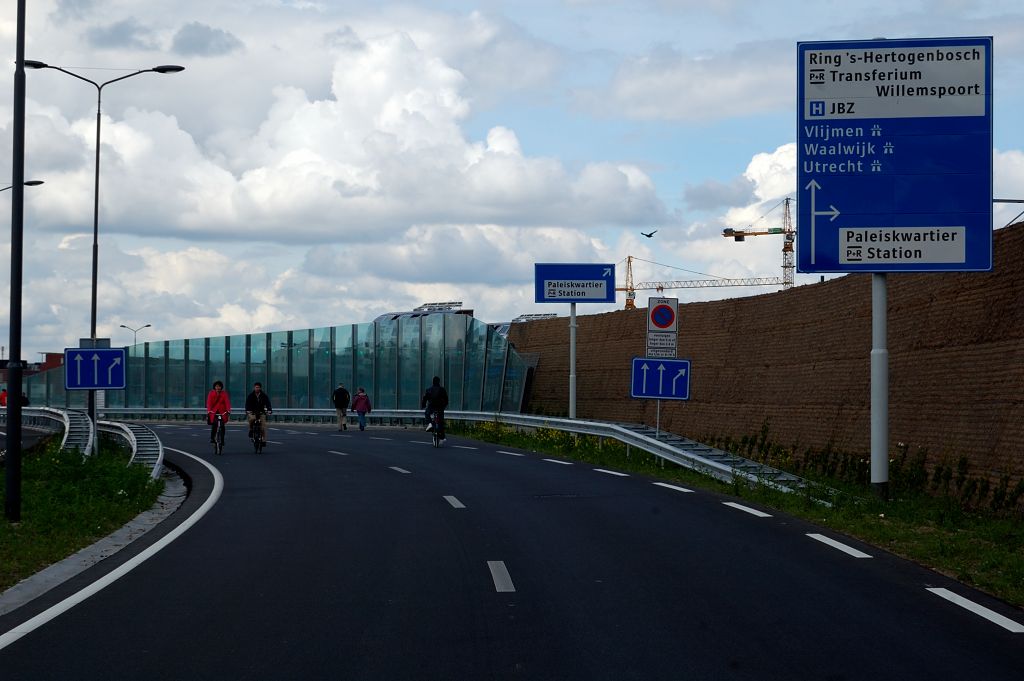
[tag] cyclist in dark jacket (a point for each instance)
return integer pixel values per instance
(258, 404)
(435, 401)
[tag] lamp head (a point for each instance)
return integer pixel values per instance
(166, 68)
(33, 183)
(33, 64)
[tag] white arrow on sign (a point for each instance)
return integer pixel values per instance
(95, 369)
(682, 372)
(834, 213)
(643, 368)
(110, 371)
(661, 379)
(78, 368)
(607, 271)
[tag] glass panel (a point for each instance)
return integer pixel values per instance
(387, 365)
(278, 378)
(155, 373)
(197, 387)
(343, 355)
(217, 366)
(433, 350)
(258, 360)
(34, 387)
(455, 354)
(175, 374)
(58, 396)
(298, 397)
(320, 385)
(365, 369)
(410, 385)
(136, 375)
(476, 345)
(495, 370)
(237, 382)
(515, 376)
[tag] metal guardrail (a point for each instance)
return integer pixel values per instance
(76, 425)
(147, 450)
(711, 461)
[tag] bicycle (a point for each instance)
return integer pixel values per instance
(256, 433)
(218, 438)
(435, 430)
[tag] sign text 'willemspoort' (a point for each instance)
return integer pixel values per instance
(894, 155)
(574, 283)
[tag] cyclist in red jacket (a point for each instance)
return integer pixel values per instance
(217, 402)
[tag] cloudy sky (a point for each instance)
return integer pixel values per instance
(323, 161)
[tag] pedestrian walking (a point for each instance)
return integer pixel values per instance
(340, 400)
(361, 406)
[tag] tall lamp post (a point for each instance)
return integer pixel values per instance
(167, 68)
(135, 332)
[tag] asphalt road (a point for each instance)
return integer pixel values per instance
(371, 555)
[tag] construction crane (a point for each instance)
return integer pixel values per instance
(789, 237)
(660, 286)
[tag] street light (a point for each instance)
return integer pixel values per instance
(135, 332)
(27, 183)
(166, 68)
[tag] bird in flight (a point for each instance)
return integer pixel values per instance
(649, 234)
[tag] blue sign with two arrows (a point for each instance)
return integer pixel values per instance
(662, 379)
(95, 368)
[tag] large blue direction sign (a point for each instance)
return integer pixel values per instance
(94, 368)
(894, 155)
(663, 379)
(573, 283)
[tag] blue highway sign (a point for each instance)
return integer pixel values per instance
(894, 155)
(574, 283)
(663, 379)
(95, 368)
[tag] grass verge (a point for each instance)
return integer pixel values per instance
(978, 547)
(68, 502)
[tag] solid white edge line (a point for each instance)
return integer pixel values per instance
(564, 463)
(990, 615)
(501, 451)
(71, 601)
(621, 475)
(400, 470)
(331, 451)
(838, 545)
(747, 509)
(502, 579)
(668, 486)
(454, 502)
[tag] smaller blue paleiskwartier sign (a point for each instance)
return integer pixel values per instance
(94, 368)
(661, 379)
(574, 283)
(894, 155)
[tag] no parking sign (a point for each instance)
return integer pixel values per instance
(662, 314)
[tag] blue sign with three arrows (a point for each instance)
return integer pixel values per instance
(95, 368)
(662, 379)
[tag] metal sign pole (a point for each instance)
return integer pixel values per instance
(879, 386)
(572, 360)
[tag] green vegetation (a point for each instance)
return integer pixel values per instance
(938, 519)
(68, 502)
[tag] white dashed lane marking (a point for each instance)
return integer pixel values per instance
(607, 472)
(400, 470)
(454, 502)
(510, 453)
(331, 451)
(990, 615)
(747, 509)
(838, 545)
(668, 486)
(464, 447)
(502, 579)
(564, 463)
(379, 438)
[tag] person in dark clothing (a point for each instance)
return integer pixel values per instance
(435, 401)
(340, 400)
(258, 404)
